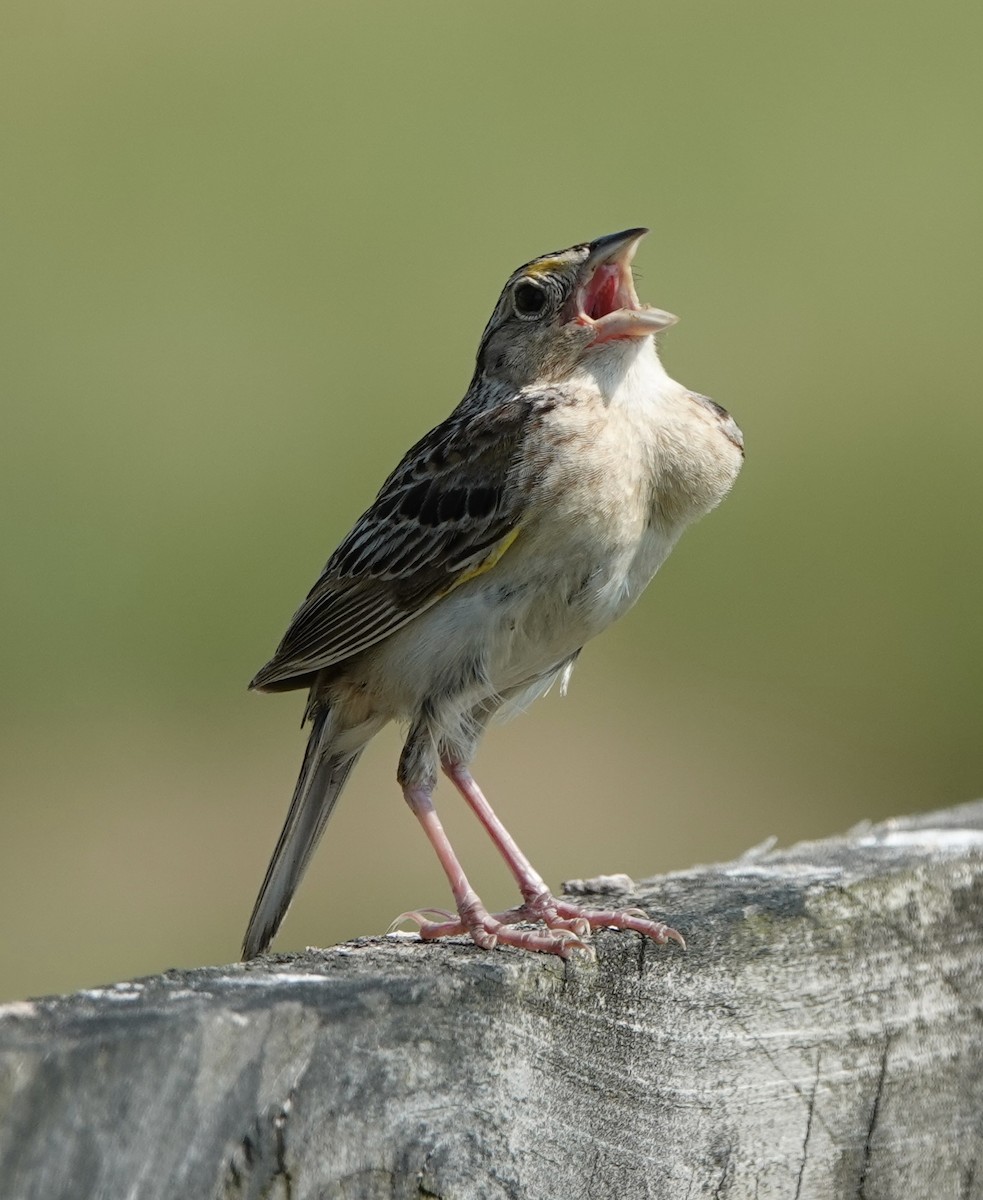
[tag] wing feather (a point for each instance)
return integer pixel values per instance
(450, 509)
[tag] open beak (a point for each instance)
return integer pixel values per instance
(606, 297)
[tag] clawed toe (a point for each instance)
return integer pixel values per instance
(488, 930)
(561, 942)
(427, 929)
(634, 919)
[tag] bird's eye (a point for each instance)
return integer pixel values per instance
(529, 300)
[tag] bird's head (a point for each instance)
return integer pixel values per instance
(563, 307)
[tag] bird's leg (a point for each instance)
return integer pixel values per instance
(539, 903)
(535, 894)
(485, 930)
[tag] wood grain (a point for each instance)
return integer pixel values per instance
(821, 1037)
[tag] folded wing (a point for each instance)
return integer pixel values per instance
(449, 510)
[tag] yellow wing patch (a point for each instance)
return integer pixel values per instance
(486, 564)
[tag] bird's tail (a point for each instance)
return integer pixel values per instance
(322, 777)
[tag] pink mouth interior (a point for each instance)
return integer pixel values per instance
(607, 291)
(601, 294)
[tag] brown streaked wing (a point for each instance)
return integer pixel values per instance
(444, 510)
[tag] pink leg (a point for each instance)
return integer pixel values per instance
(539, 902)
(473, 918)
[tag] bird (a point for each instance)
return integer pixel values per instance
(517, 529)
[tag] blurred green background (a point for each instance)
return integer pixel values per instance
(248, 250)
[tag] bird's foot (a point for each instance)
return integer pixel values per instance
(635, 919)
(487, 930)
(562, 914)
(568, 927)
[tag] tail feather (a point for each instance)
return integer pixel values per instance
(322, 777)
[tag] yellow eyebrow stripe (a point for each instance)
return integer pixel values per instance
(487, 563)
(544, 266)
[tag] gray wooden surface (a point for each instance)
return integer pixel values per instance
(822, 1037)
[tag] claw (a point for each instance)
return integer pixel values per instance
(420, 916)
(579, 925)
(588, 951)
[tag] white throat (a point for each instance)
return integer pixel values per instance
(628, 372)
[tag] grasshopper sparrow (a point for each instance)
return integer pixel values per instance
(522, 525)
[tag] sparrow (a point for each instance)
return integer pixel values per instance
(508, 536)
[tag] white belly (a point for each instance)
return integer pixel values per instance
(509, 627)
